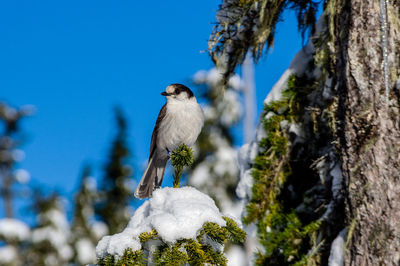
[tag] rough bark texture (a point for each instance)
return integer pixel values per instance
(369, 131)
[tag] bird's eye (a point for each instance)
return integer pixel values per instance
(176, 91)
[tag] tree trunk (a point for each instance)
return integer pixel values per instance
(369, 131)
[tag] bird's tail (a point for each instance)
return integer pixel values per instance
(152, 177)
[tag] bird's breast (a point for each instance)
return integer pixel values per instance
(181, 125)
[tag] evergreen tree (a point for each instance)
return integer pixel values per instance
(85, 229)
(215, 169)
(49, 244)
(325, 177)
(177, 226)
(14, 234)
(14, 237)
(115, 190)
(11, 138)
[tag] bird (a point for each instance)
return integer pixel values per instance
(179, 122)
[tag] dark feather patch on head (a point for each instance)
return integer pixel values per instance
(180, 87)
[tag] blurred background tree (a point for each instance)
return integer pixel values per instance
(215, 169)
(50, 237)
(11, 139)
(86, 230)
(116, 187)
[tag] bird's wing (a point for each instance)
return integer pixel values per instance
(160, 117)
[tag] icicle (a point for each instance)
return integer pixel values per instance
(383, 8)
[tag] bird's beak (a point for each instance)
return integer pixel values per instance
(165, 93)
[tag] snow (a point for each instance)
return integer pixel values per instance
(14, 229)
(175, 213)
(22, 176)
(200, 174)
(57, 238)
(336, 257)
(100, 229)
(18, 155)
(236, 256)
(337, 180)
(213, 78)
(229, 108)
(246, 155)
(90, 183)
(8, 254)
(398, 84)
(56, 232)
(57, 218)
(85, 251)
(245, 185)
(225, 161)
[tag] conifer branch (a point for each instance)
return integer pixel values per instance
(180, 157)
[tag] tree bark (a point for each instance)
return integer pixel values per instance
(369, 131)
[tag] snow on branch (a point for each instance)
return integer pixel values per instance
(13, 229)
(175, 226)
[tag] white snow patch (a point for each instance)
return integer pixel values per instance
(175, 213)
(213, 78)
(276, 92)
(8, 254)
(200, 174)
(226, 161)
(90, 183)
(86, 251)
(336, 258)
(229, 108)
(14, 229)
(18, 155)
(57, 218)
(22, 176)
(245, 184)
(337, 180)
(57, 238)
(236, 256)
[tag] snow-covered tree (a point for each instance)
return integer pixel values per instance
(321, 175)
(14, 236)
(11, 137)
(86, 231)
(215, 171)
(116, 186)
(176, 226)
(49, 243)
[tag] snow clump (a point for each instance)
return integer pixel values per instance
(175, 213)
(14, 229)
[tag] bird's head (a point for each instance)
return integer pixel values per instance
(178, 92)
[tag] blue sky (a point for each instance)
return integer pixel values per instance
(75, 60)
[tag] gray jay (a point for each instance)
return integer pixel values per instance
(179, 122)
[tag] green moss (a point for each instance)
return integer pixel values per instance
(287, 234)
